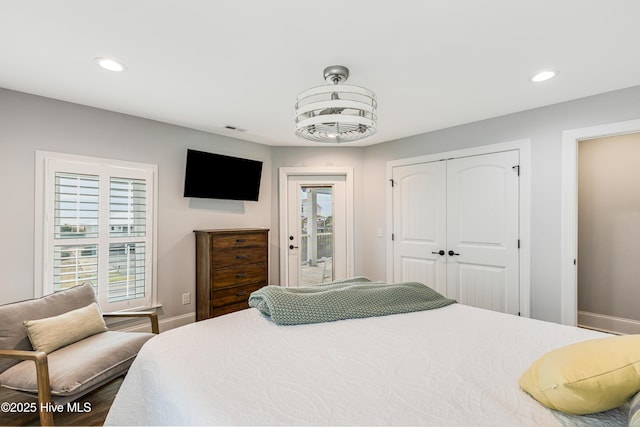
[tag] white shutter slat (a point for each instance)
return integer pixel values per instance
(74, 265)
(127, 219)
(76, 206)
(127, 266)
(127, 207)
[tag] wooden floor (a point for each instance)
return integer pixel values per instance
(98, 402)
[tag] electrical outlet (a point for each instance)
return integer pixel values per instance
(186, 298)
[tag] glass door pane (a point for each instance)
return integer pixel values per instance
(316, 219)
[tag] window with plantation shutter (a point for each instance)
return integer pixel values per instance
(97, 222)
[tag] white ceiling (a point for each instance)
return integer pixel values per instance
(205, 64)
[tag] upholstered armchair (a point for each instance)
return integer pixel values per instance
(58, 347)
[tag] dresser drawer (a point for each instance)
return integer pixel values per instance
(239, 240)
(233, 295)
(239, 256)
(239, 275)
(219, 311)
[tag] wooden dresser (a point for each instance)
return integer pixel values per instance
(230, 264)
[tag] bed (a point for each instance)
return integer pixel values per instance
(450, 366)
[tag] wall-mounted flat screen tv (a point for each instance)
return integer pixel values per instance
(215, 176)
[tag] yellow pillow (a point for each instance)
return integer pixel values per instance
(586, 377)
(51, 333)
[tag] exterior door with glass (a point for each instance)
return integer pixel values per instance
(316, 230)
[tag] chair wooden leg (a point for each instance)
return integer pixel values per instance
(42, 377)
(154, 322)
(44, 390)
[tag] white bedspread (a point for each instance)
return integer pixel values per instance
(456, 365)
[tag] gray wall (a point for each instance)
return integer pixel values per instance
(544, 127)
(321, 157)
(609, 226)
(29, 123)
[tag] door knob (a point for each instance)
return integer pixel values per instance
(293, 247)
(451, 253)
(440, 252)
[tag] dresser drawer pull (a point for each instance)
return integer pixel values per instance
(242, 257)
(241, 294)
(241, 240)
(240, 275)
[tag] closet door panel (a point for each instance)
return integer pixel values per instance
(482, 231)
(419, 224)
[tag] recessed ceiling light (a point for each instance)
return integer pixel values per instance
(544, 76)
(109, 64)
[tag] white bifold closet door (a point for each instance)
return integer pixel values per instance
(455, 228)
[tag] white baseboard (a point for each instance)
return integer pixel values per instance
(605, 323)
(165, 324)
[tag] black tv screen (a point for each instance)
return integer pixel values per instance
(215, 176)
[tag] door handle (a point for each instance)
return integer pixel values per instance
(451, 253)
(293, 247)
(440, 252)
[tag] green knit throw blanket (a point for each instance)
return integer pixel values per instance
(352, 298)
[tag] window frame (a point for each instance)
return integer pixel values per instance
(46, 165)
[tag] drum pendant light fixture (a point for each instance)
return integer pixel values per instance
(336, 112)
